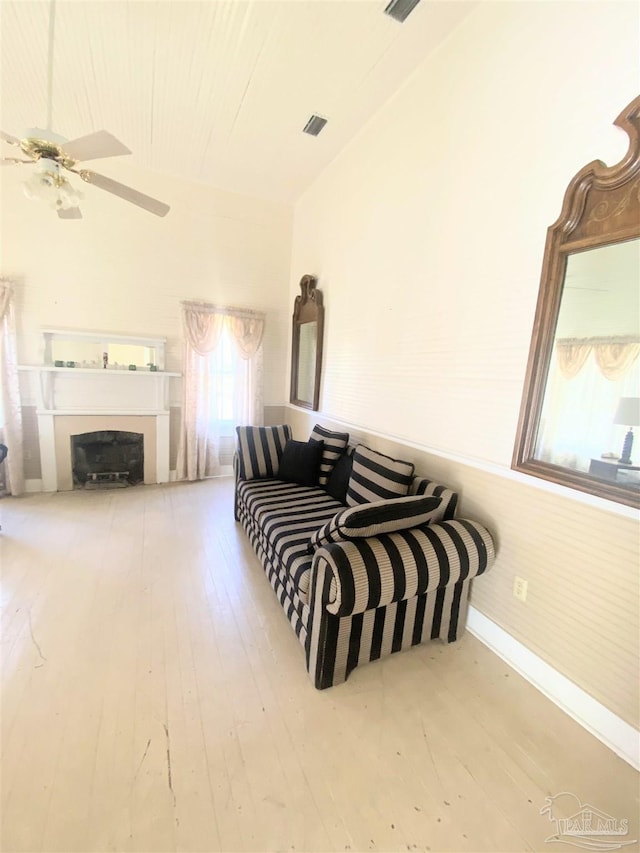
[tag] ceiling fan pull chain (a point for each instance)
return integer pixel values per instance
(52, 30)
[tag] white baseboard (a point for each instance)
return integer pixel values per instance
(613, 731)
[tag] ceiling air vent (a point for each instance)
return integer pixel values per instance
(314, 125)
(400, 10)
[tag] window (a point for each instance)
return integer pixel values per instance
(223, 365)
(222, 385)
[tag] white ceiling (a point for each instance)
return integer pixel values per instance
(215, 92)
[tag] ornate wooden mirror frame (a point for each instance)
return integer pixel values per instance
(601, 208)
(306, 350)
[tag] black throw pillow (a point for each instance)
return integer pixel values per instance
(300, 462)
(339, 479)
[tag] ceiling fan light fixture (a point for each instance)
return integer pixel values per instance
(46, 184)
(50, 153)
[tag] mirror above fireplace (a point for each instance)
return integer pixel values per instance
(65, 348)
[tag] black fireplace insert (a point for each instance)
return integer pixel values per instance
(107, 459)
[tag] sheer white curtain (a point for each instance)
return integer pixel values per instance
(583, 390)
(10, 408)
(222, 385)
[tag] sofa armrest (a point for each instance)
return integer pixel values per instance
(376, 571)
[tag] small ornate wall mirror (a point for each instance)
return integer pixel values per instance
(306, 352)
(582, 389)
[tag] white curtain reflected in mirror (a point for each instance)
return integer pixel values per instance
(307, 361)
(595, 359)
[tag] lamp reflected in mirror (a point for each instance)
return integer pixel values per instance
(627, 414)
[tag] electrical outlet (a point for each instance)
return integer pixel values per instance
(520, 588)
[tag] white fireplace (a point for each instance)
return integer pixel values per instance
(75, 400)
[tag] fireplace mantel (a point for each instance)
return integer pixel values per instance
(88, 391)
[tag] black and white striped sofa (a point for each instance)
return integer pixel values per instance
(354, 594)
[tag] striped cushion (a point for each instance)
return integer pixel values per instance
(260, 449)
(334, 445)
(284, 516)
(375, 518)
(375, 477)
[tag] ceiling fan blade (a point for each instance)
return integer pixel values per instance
(127, 193)
(94, 145)
(71, 213)
(14, 161)
(8, 138)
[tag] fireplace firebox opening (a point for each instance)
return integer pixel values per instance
(107, 459)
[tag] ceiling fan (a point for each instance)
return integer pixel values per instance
(52, 159)
(52, 156)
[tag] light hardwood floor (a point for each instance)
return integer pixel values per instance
(154, 697)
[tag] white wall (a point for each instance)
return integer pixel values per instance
(427, 235)
(124, 270)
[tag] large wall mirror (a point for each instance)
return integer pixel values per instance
(581, 399)
(306, 351)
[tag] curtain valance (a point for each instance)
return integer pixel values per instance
(204, 322)
(613, 355)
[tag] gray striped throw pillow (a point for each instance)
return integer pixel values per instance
(260, 449)
(375, 476)
(372, 519)
(334, 446)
